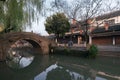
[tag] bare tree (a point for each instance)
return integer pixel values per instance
(71, 10)
(91, 8)
(78, 9)
(110, 5)
(82, 10)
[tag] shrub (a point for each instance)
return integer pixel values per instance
(93, 50)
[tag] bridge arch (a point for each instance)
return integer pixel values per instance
(34, 43)
(35, 40)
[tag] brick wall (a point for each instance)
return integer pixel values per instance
(102, 40)
(117, 40)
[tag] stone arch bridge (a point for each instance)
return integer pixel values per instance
(37, 41)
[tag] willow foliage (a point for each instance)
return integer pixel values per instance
(15, 14)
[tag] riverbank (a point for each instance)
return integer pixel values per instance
(70, 51)
(109, 50)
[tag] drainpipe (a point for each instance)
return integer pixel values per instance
(90, 39)
(78, 40)
(113, 40)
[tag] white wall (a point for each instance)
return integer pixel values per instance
(117, 20)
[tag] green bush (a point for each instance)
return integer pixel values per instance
(66, 51)
(70, 52)
(93, 51)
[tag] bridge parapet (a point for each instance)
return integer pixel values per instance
(6, 40)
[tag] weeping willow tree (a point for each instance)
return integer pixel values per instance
(16, 14)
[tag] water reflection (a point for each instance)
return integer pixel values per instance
(56, 72)
(74, 68)
(56, 67)
(43, 75)
(17, 58)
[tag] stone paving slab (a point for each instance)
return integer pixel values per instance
(100, 48)
(109, 48)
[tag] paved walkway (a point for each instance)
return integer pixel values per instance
(109, 48)
(100, 48)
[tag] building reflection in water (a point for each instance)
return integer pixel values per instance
(46, 67)
(55, 72)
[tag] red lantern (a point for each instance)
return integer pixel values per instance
(91, 29)
(73, 21)
(106, 26)
(89, 21)
(81, 31)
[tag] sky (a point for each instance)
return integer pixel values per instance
(38, 27)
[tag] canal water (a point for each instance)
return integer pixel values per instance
(58, 67)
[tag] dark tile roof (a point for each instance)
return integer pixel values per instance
(108, 15)
(110, 29)
(101, 17)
